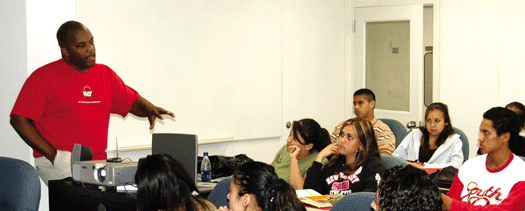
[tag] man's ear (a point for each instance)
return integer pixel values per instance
(373, 103)
(64, 52)
(505, 137)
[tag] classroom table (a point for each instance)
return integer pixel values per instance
(68, 195)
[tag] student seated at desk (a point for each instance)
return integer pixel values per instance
(407, 188)
(435, 145)
(518, 148)
(355, 165)
(163, 184)
(255, 186)
(305, 141)
(495, 180)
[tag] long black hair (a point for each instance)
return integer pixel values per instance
(270, 192)
(163, 184)
(311, 132)
(447, 131)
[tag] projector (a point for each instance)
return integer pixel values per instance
(100, 172)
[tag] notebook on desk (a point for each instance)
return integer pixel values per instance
(184, 148)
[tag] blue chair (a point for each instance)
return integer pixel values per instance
(20, 185)
(464, 141)
(391, 161)
(219, 194)
(397, 128)
(355, 201)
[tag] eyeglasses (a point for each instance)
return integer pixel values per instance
(294, 138)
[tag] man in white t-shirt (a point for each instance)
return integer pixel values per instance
(495, 180)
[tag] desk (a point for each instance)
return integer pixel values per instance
(64, 195)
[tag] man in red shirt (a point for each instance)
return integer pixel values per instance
(69, 101)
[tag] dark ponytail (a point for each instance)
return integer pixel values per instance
(285, 198)
(270, 192)
(312, 133)
(163, 184)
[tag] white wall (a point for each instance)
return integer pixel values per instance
(482, 63)
(13, 51)
(312, 75)
(27, 42)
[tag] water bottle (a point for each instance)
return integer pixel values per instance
(206, 168)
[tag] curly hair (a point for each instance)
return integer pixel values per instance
(408, 188)
(270, 192)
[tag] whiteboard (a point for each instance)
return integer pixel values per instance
(215, 64)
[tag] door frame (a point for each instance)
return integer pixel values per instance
(350, 63)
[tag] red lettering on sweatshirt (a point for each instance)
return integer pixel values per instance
(478, 196)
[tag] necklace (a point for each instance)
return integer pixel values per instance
(490, 166)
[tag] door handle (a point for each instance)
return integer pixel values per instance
(411, 124)
(288, 124)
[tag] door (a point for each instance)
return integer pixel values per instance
(389, 59)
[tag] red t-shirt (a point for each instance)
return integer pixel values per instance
(71, 107)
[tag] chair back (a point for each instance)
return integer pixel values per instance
(219, 194)
(397, 128)
(20, 185)
(464, 141)
(391, 161)
(355, 201)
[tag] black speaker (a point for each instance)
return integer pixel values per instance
(80, 153)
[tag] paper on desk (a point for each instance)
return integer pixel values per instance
(126, 188)
(306, 192)
(313, 198)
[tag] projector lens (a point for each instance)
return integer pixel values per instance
(101, 173)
